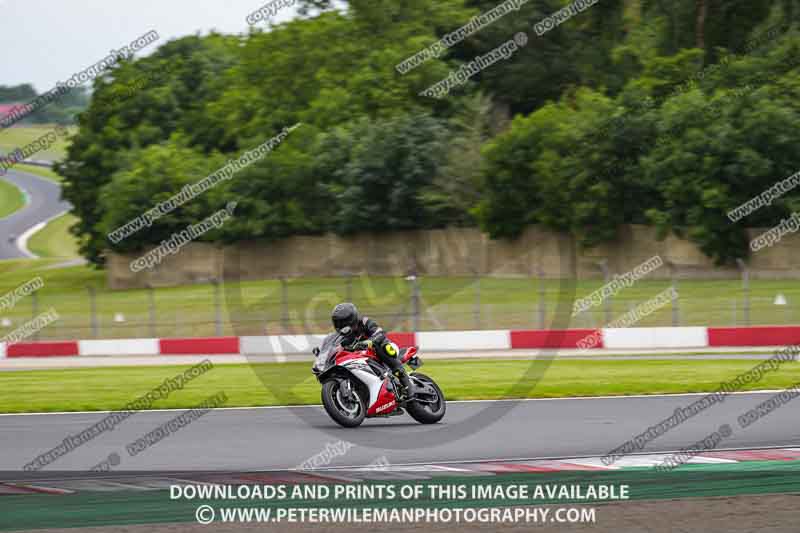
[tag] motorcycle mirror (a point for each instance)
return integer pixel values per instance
(315, 351)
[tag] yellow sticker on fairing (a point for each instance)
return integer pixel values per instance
(391, 349)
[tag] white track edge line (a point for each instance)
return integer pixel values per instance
(22, 240)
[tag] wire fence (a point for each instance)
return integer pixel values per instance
(297, 306)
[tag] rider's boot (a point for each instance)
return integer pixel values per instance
(408, 386)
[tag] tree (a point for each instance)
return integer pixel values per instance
(456, 191)
(706, 24)
(720, 150)
(282, 194)
(152, 175)
(383, 168)
(700, 24)
(111, 127)
(565, 168)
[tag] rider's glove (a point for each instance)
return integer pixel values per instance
(363, 345)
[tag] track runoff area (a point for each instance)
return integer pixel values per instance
(557, 462)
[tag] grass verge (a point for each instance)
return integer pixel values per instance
(293, 384)
(55, 240)
(42, 172)
(11, 198)
(19, 136)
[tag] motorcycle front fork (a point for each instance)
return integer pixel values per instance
(347, 389)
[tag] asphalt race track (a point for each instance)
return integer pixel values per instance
(279, 438)
(44, 202)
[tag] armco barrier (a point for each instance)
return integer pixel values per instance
(279, 344)
(631, 338)
(403, 339)
(42, 349)
(440, 341)
(552, 338)
(610, 338)
(754, 336)
(300, 344)
(115, 347)
(209, 345)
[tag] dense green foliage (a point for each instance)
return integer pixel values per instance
(634, 111)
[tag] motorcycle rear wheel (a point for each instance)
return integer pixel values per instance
(347, 412)
(426, 413)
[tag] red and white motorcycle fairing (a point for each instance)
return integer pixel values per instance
(382, 399)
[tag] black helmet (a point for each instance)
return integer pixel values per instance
(345, 318)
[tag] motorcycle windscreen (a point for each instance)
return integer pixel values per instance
(327, 352)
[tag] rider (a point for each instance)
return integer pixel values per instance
(362, 332)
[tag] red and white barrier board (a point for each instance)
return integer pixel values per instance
(432, 341)
(754, 336)
(116, 347)
(439, 341)
(208, 345)
(628, 338)
(42, 349)
(555, 338)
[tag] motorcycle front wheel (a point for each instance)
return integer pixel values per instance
(347, 410)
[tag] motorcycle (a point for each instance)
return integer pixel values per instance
(357, 385)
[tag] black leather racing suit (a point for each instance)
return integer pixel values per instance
(368, 329)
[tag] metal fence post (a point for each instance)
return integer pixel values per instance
(267, 313)
(348, 287)
(151, 311)
(415, 302)
(676, 310)
(477, 310)
(746, 288)
(676, 316)
(542, 304)
(607, 277)
(285, 305)
(217, 308)
(35, 312)
(92, 310)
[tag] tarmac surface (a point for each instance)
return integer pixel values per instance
(43, 203)
(284, 437)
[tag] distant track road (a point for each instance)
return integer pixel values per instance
(43, 203)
